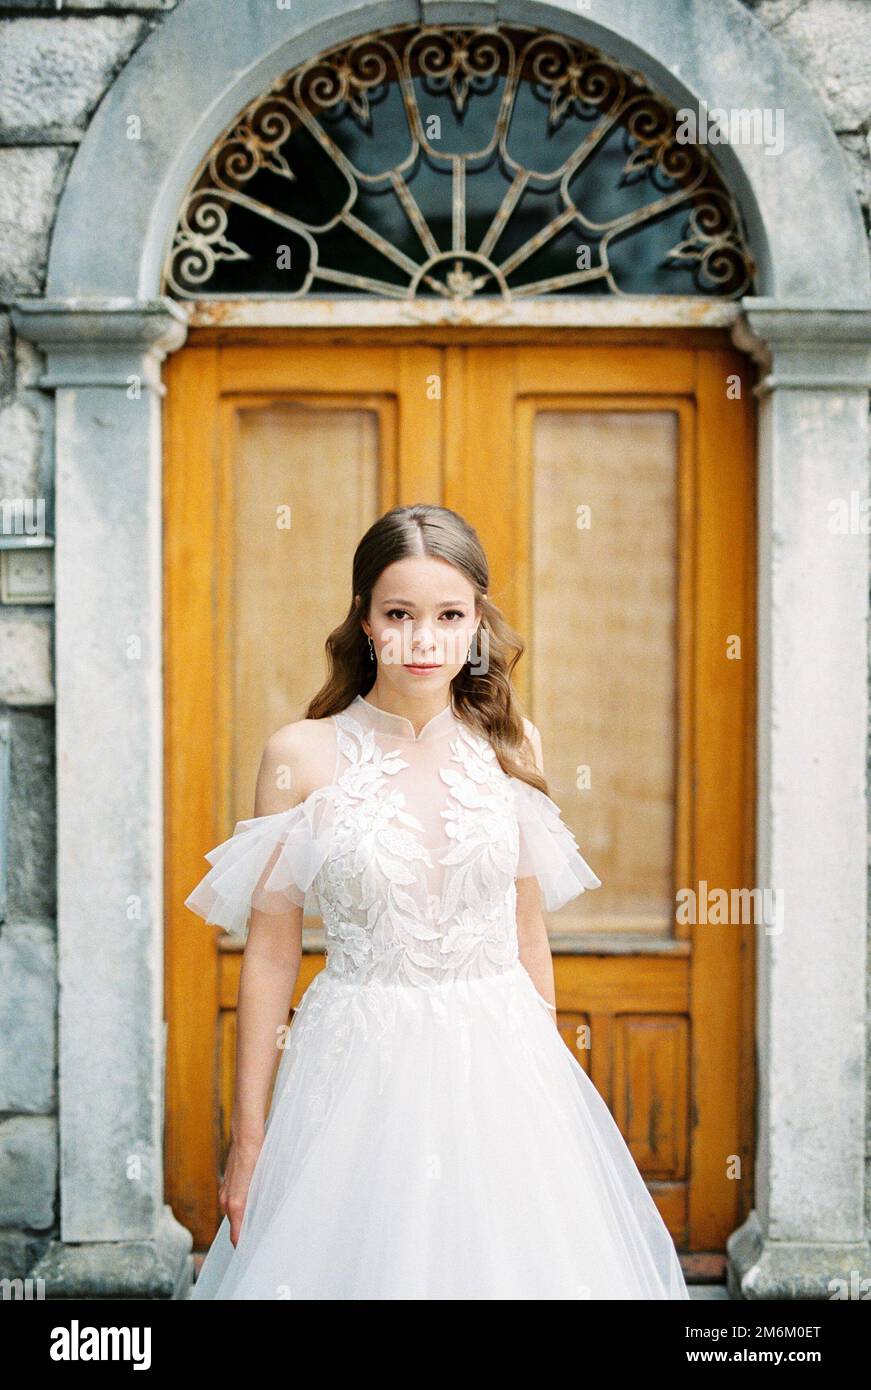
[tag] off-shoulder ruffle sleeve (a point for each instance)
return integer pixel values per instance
(548, 849)
(269, 863)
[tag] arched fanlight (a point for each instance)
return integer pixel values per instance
(437, 161)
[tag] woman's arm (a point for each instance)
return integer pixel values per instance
(270, 965)
(533, 944)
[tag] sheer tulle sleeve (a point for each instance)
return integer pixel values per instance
(268, 863)
(548, 849)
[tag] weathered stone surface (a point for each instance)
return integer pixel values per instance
(28, 1005)
(25, 661)
(53, 72)
(159, 1268)
(857, 152)
(29, 366)
(92, 6)
(19, 1252)
(32, 884)
(28, 1171)
(789, 1271)
(7, 359)
(30, 183)
(828, 42)
(20, 446)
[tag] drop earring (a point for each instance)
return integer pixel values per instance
(371, 649)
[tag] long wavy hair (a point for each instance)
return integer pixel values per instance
(484, 700)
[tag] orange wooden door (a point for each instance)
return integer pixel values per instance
(611, 483)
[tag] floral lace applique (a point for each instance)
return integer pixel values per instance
(478, 900)
(391, 941)
(372, 890)
(382, 920)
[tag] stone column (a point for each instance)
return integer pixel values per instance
(806, 1236)
(117, 1236)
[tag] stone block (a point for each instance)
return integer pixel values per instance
(28, 1171)
(28, 1018)
(26, 661)
(53, 73)
(20, 447)
(30, 183)
(32, 886)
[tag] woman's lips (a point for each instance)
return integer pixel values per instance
(434, 666)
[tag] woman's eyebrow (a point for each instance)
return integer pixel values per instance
(445, 603)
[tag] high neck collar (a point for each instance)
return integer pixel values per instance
(397, 726)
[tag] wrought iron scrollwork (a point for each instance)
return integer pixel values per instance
(561, 173)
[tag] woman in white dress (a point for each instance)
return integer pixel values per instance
(430, 1135)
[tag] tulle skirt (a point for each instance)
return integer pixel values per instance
(439, 1143)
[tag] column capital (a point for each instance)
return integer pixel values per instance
(804, 346)
(102, 342)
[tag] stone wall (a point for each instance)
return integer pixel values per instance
(57, 59)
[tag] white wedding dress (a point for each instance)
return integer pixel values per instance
(430, 1135)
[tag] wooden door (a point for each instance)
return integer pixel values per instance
(611, 482)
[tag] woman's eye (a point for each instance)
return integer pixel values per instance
(401, 613)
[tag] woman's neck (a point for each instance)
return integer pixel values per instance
(418, 711)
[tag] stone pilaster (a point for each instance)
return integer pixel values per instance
(117, 1236)
(806, 1237)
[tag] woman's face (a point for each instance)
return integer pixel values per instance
(422, 619)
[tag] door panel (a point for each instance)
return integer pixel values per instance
(612, 486)
(604, 606)
(302, 479)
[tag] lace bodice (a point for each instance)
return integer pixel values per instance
(409, 851)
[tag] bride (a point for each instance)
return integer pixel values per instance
(429, 1133)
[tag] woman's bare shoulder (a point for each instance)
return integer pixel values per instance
(297, 758)
(300, 737)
